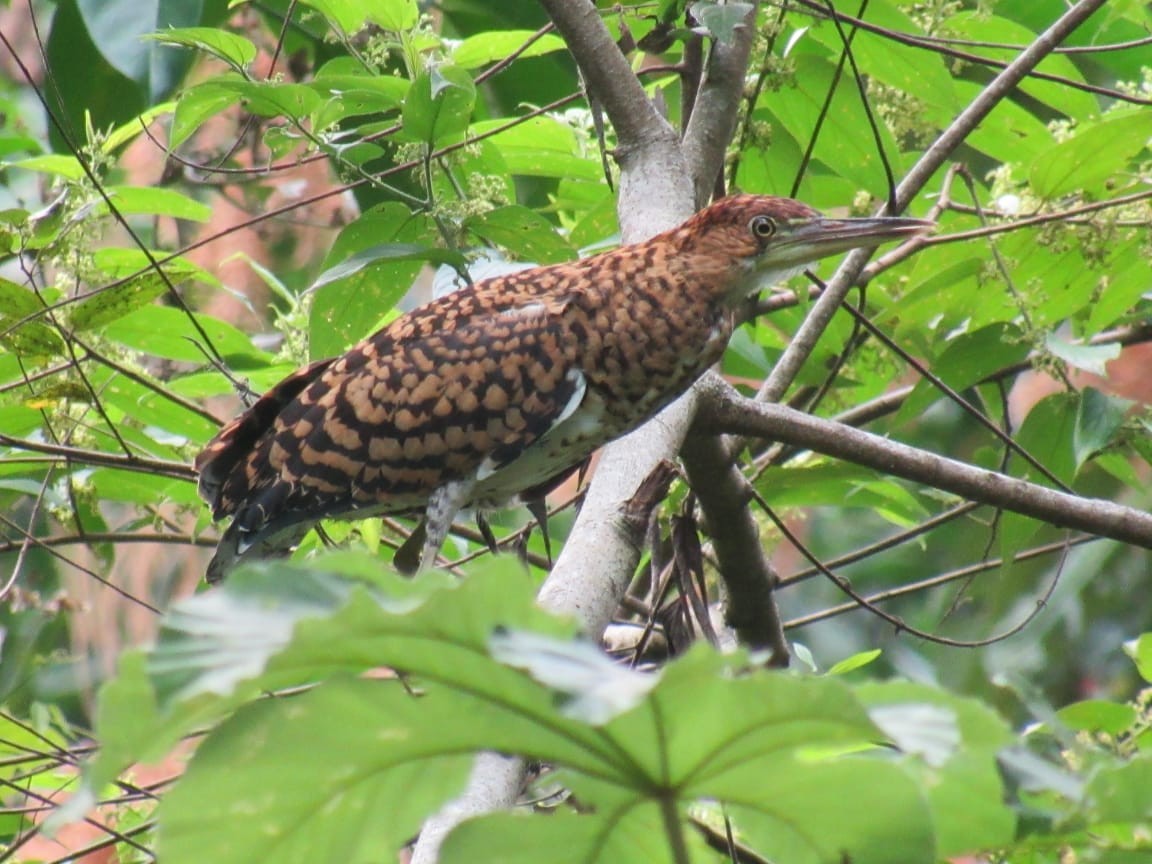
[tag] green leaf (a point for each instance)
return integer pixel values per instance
(484, 48)
(856, 661)
(523, 232)
(233, 49)
(840, 145)
(797, 826)
(271, 98)
(137, 487)
(363, 774)
(1098, 419)
(542, 147)
(595, 688)
(759, 740)
(390, 252)
(1097, 715)
(164, 331)
(126, 713)
(155, 201)
(352, 92)
(1098, 152)
(135, 283)
(966, 360)
(1068, 101)
(119, 29)
(838, 484)
(1123, 796)
(346, 309)
(721, 22)
(351, 16)
(1140, 651)
(964, 789)
(909, 69)
(196, 105)
(1047, 435)
(394, 15)
(89, 88)
(1090, 358)
(634, 836)
(51, 163)
(438, 105)
(33, 338)
(134, 128)
(1128, 273)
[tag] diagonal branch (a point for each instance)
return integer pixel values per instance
(606, 70)
(717, 103)
(729, 413)
(749, 580)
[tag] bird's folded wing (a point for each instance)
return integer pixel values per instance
(237, 438)
(382, 427)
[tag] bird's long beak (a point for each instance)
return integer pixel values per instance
(803, 241)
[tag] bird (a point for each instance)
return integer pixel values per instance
(482, 398)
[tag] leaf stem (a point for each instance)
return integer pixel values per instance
(674, 828)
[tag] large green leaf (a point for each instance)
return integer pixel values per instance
(1098, 420)
(763, 741)
(963, 783)
(33, 338)
(134, 283)
(542, 147)
(841, 485)
(966, 360)
(1089, 161)
(438, 105)
(1047, 434)
(157, 202)
(163, 331)
(360, 776)
(484, 48)
(232, 48)
(347, 308)
(117, 27)
(844, 145)
(523, 232)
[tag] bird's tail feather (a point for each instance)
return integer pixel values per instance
(237, 547)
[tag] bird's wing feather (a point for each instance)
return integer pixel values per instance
(388, 423)
(235, 440)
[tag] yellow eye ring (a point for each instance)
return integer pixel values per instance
(762, 226)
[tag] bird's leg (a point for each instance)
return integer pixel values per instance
(443, 505)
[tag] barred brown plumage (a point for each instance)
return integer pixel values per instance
(482, 395)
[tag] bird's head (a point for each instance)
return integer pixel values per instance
(754, 241)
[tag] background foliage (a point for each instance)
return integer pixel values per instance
(199, 198)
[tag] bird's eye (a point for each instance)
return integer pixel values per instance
(763, 226)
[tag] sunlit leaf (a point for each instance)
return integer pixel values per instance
(232, 48)
(1097, 152)
(438, 105)
(484, 48)
(1090, 358)
(1097, 715)
(524, 232)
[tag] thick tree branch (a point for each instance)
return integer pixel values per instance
(606, 71)
(715, 108)
(723, 493)
(803, 343)
(596, 564)
(725, 411)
